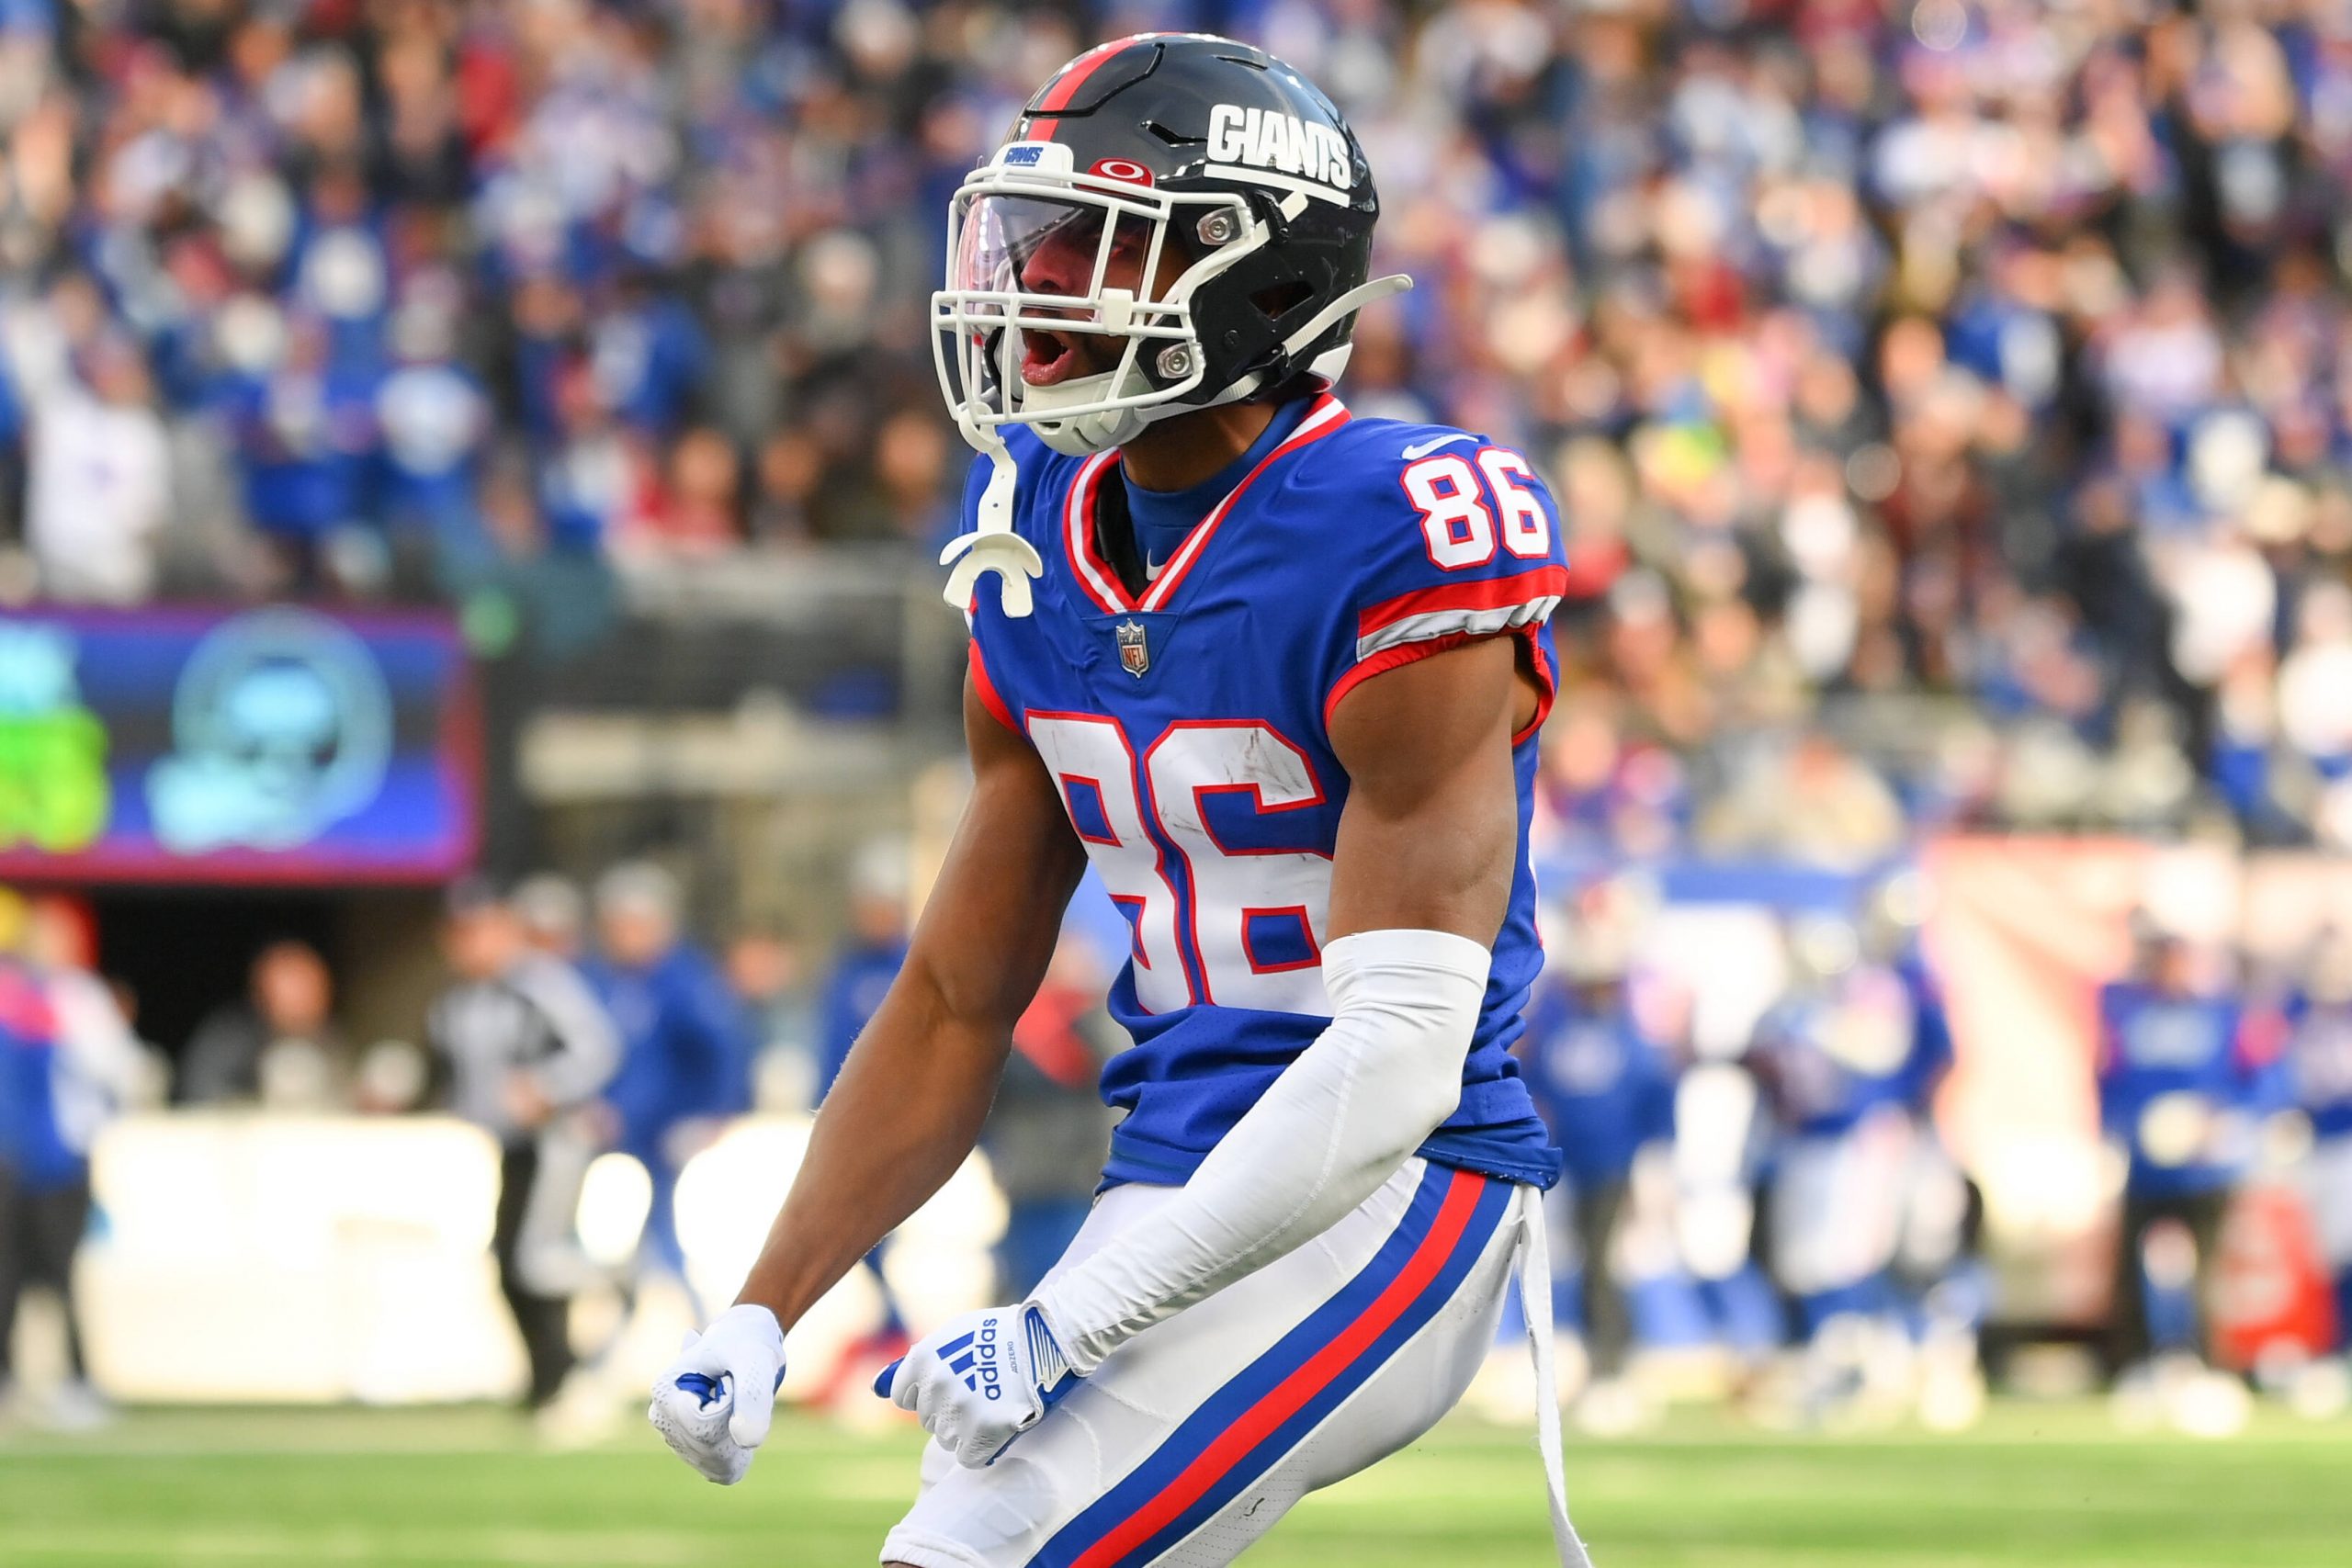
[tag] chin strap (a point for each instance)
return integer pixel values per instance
(1354, 299)
(1346, 304)
(993, 546)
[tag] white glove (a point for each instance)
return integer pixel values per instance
(713, 1405)
(981, 1382)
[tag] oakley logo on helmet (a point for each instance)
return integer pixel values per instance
(1124, 169)
(1283, 142)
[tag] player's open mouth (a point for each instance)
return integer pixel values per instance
(1046, 356)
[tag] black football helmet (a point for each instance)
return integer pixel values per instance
(1175, 222)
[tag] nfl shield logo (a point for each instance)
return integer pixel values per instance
(1135, 656)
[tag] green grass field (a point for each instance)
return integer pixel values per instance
(2049, 1486)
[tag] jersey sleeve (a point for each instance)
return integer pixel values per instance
(1462, 540)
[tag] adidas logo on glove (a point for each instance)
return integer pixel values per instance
(974, 1358)
(981, 1381)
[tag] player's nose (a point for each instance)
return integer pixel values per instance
(1059, 264)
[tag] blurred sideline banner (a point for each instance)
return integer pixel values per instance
(287, 1258)
(248, 1257)
(275, 745)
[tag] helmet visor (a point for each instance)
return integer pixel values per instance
(1069, 296)
(1048, 247)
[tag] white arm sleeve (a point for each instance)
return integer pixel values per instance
(1336, 1124)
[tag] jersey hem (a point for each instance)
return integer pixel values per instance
(1544, 1174)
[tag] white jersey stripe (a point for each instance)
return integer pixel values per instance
(1452, 623)
(1107, 594)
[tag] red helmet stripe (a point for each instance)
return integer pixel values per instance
(1064, 87)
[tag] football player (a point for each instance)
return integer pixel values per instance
(1837, 1058)
(2182, 1082)
(1605, 1090)
(1276, 673)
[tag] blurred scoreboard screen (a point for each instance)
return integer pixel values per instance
(277, 745)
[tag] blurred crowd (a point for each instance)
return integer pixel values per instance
(1984, 352)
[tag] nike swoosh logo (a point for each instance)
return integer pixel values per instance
(1423, 448)
(1150, 567)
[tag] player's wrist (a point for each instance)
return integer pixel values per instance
(1050, 1363)
(1078, 1345)
(784, 1292)
(756, 1318)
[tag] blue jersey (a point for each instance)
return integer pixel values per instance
(33, 1145)
(1834, 1056)
(1931, 1045)
(2319, 1065)
(2171, 1069)
(684, 1050)
(1186, 726)
(1604, 1089)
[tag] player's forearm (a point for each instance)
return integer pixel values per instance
(905, 1112)
(1336, 1124)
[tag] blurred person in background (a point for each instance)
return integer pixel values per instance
(1607, 1092)
(552, 913)
(1938, 1273)
(527, 1045)
(105, 1068)
(279, 1047)
(1048, 1131)
(2182, 1082)
(72, 1065)
(868, 958)
(99, 494)
(1720, 1163)
(685, 1063)
(768, 971)
(435, 420)
(28, 1032)
(1837, 1058)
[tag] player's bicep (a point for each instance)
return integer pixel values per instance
(988, 927)
(1429, 839)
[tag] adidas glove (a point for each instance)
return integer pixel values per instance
(981, 1382)
(713, 1405)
